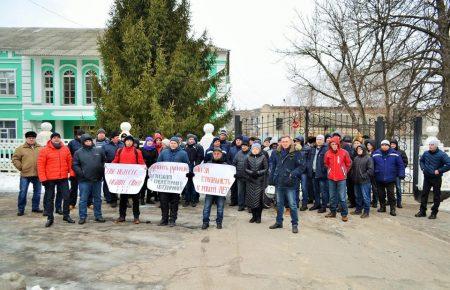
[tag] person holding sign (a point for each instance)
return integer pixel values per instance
(217, 158)
(88, 164)
(287, 167)
(170, 201)
(128, 155)
(256, 167)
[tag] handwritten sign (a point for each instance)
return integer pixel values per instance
(125, 178)
(167, 177)
(214, 179)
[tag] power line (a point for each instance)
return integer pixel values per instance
(55, 13)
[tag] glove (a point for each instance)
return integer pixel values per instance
(190, 174)
(235, 176)
(255, 174)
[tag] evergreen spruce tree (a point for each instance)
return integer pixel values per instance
(156, 73)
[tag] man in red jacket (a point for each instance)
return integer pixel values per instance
(54, 169)
(338, 163)
(128, 155)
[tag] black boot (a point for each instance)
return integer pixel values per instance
(421, 214)
(432, 216)
(253, 219)
(382, 208)
(258, 216)
(392, 212)
(48, 223)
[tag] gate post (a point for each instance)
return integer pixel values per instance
(380, 131)
(416, 149)
(237, 126)
(306, 124)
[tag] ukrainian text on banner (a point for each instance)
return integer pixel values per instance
(214, 179)
(167, 177)
(125, 178)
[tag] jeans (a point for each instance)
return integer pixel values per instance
(304, 182)
(386, 189)
(220, 202)
(93, 188)
(241, 184)
(338, 194)
(398, 190)
(428, 183)
(191, 194)
(321, 195)
(62, 186)
(362, 192)
(22, 199)
(283, 194)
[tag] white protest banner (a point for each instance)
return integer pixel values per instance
(125, 178)
(167, 177)
(214, 179)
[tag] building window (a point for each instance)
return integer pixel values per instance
(7, 82)
(48, 87)
(69, 88)
(279, 123)
(8, 129)
(89, 79)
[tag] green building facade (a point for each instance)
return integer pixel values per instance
(46, 76)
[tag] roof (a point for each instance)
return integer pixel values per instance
(42, 41)
(50, 41)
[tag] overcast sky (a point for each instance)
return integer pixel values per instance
(251, 29)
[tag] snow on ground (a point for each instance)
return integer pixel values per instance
(9, 183)
(445, 205)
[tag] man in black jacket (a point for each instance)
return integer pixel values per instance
(196, 154)
(88, 164)
(317, 173)
(398, 182)
(74, 145)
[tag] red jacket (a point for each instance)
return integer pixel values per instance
(54, 163)
(338, 162)
(128, 155)
(158, 146)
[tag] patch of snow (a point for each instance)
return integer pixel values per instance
(9, 183)
(445, 205)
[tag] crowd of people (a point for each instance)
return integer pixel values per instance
(334, 173)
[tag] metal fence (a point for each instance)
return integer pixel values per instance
(321, 121)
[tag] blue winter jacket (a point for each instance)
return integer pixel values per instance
(321, 170)
(177, 155)
(388, 165)
(74, 145)
(286, 167)
(232, 153)
(431, 161)
(110, 150)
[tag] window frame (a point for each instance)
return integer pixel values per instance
(7, 132)
(45, 89)
(74, 84)
(14, 71)
(87, 76)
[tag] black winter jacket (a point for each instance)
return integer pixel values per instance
(88, 162)
(362, 167)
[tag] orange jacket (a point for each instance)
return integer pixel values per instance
(337, 162)
(54, 163)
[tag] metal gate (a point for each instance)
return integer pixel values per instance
(311, 122)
